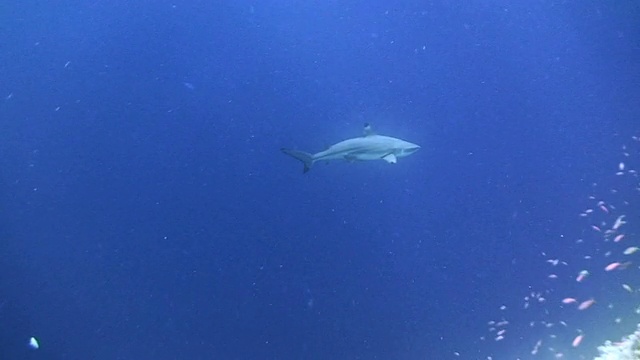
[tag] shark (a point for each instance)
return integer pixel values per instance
(369, 146)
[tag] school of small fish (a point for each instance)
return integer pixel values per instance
(606, 270)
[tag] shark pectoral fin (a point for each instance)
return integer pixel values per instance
(390, 158)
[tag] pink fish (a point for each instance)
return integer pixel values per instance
(577, 340)
(612, 266)
(586, 304)
(618, 238)
(569, 301)
(582, 275)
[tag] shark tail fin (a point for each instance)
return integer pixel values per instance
(306, 158)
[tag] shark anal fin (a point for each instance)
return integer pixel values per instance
(390, 158)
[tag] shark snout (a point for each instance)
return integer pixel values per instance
(410, 149)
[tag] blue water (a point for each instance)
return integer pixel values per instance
(147, 212)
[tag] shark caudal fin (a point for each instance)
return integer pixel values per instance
(306, 158)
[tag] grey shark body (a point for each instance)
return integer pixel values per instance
(370, 146)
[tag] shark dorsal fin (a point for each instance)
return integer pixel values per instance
(368, 131)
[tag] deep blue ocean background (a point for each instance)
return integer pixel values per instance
(147, 212)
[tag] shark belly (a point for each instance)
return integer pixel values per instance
(355, 155)
(372, 155)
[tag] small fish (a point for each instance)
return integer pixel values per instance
(612, 266)
(586, 304)
(33, 343)
(619, 222)
(577, 340)
(536, 348)
(582, 275)
(630, 250)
